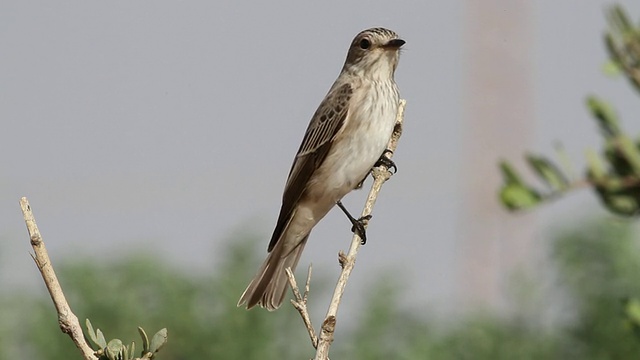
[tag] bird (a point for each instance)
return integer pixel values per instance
(346, 137)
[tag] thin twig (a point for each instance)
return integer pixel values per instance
(67, 320)
(300, 303)
(380, 175)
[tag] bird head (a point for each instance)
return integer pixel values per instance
(374, 53)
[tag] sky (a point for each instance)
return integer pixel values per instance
(170, 126)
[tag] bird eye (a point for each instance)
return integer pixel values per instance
(365, 44)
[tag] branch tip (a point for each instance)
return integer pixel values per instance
(67, 320)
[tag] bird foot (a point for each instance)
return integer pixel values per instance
(358, 225)
(387, 162)
(359, 228)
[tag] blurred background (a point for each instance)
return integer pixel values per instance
(153, 140)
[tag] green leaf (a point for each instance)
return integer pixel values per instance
(619, 20)
(518, 197)
(612, 48)
(514, 194)
(621, 204)
(115, 349)
(630, 152)
(612, 68)
(96, 336)
(158, 340)
(101, 339)
(603, 112)
(132, 351)
(145, 340)
(93, 336)
(548, 172)
(595, 167)
(509, 174)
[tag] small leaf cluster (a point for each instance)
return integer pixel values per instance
(623, 44)
(116, 350)
(614, 173)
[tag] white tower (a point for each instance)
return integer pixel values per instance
(499, 122)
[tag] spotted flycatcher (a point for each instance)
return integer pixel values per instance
(346, 137)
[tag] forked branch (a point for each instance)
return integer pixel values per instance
(347, 262)
(300, 303)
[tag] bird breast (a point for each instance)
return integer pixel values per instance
(362, 140)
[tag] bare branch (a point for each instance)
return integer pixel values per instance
(67, 320)
(300, 303)
(347, 262)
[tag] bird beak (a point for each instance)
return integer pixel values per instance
(394, 44)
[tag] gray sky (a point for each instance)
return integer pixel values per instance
(173, 125)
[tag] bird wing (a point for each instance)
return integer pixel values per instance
(325, 124)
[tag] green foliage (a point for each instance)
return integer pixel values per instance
(632, 314)
(515, 194)
(387, 331)
(599, 263)
(116, 350)
(199, 310)
(486, 337)
(597, 266)
(623, 44)
(615, 174)
(610, 294)
(384, 330)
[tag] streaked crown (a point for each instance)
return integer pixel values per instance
(374, 50)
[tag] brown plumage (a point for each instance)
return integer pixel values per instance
(346, 136)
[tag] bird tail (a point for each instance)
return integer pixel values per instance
(269, 286)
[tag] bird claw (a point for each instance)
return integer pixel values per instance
(388, 163)
(358, 228)
(358, 225)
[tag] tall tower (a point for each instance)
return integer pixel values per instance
(499, 122)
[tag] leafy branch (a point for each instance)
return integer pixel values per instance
(116, 350)
(69, 324)
(614, 173)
